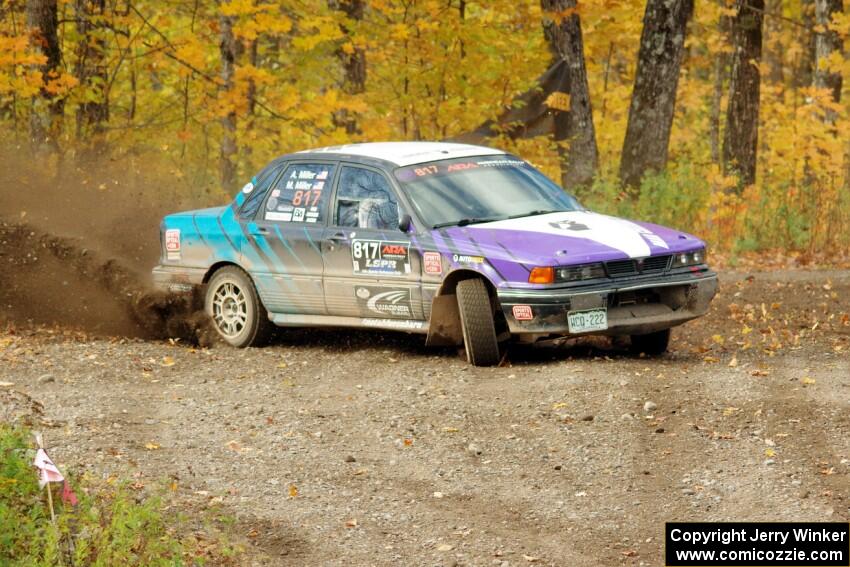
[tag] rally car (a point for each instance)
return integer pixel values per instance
(465, 244)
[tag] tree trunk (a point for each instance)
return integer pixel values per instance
(229, 53)
(740, 140)
(805, 65)
(353, 60)
(826, 43)
(721, 73)
(47, 109)
(579, 161)
(91, 68)
(662, 45)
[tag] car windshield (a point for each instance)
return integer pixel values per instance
(463, 191)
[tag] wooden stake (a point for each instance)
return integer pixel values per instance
(50, 503)
(39, 441)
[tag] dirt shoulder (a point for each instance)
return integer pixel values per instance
(358, 448)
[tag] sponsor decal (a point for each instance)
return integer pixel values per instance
(273, 216)
(569, 225)
(271, 204)
(276, 193)
(653, 238)
(502, 163)
(394, 323)
(322, 174)
(319, 185)
(298, 214)
(433, 263)
(523, 313)
(464, 259)
(384, 301)
(461, 166)
(380, 257)
(248, 188)
(172, 244)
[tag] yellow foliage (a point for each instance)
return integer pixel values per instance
(433, 73)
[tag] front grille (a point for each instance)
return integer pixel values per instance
(655, 264)
(624, 268)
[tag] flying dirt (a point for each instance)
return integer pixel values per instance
(76, 250)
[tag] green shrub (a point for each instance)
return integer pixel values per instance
(110, 526)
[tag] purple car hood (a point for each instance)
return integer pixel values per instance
(569, 238)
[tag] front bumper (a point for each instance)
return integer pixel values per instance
(177, 279)
(635, 307)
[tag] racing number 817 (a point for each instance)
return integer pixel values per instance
(303, 197)
(368, 249)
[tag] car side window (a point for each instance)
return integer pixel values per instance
(257, 190)
(365, 200)
(301, 194)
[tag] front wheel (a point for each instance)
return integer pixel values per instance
(476, 317)
(651, 344)
(236, 311)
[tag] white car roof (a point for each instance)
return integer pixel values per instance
(409, 153)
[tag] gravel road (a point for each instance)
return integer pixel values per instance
(355, 448)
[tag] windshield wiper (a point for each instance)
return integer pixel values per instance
(464, 222)
(536, 213)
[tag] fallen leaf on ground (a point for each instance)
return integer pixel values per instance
(151, 446)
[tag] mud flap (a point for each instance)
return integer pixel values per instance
(445, 327)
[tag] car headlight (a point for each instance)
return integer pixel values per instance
(692, 258)
(579, 273)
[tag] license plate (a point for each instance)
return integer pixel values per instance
(587, 320)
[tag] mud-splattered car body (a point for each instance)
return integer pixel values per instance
(304, 229)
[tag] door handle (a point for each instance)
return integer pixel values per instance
(259, 231)
(338, 237)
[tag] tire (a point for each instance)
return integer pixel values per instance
(652, 344)
(235, 309)
(476, 317)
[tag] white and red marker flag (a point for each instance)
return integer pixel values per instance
(48, 472)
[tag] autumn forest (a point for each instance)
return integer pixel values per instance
(725, 117)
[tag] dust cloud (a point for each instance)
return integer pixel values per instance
(77, 243)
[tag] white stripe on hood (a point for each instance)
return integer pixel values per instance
(628, 237)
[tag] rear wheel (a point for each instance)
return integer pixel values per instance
(476, 317)
(652, 344)
(235, 309)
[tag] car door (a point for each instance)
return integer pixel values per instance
(371, 270)
(286, 234)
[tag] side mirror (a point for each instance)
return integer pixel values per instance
(405, 223)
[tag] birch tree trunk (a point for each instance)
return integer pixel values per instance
(662, 45)
(740, 140)
(826, 43)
